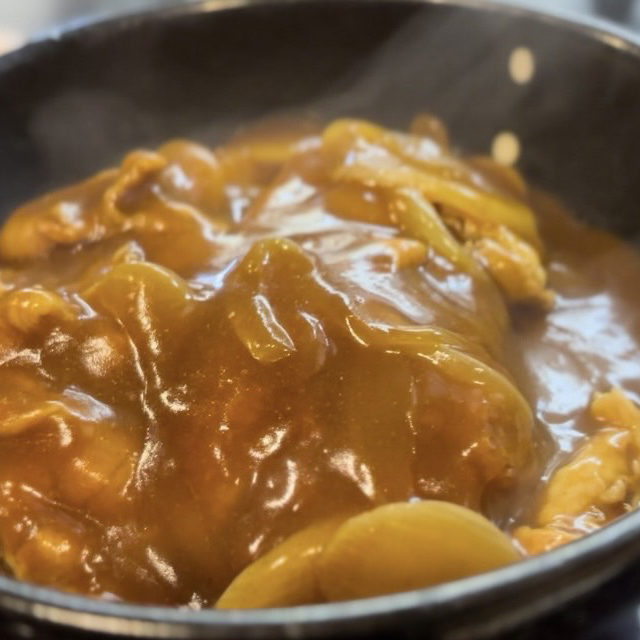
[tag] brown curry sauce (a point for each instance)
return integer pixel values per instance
(204, 352)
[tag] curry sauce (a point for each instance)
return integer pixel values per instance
(204, 353)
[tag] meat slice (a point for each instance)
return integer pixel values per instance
(599, 483)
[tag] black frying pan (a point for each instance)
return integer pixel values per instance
(72, 105)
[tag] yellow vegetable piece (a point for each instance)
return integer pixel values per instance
(376, 158)
(506, 178)
(416, 217)
(25, 309)
(284, 577)
(404, 546)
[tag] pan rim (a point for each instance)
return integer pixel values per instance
(621, 539)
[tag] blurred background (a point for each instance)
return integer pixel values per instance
(25, 18)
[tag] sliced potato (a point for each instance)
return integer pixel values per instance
(284, 577)
(409, 545)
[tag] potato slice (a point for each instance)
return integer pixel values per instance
(284, 577)
(409, 545)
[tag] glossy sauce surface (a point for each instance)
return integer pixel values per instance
(204, 352)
